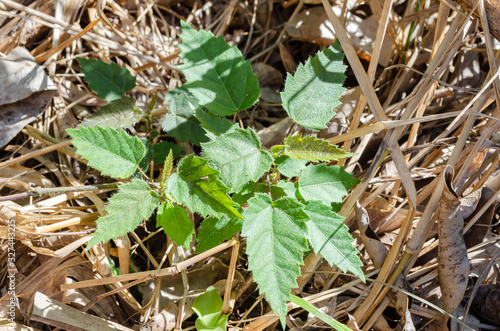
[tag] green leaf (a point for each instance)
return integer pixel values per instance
(115, 270)
(176, 223)
(289, 167)
(276, 191)
(330, 237)
(112, 152)
(215, 231)
(276, 240)
(221, 326)
(214, 125)
(197, 186)
(239, 157)
(326, 183)
(148, 156)
(180, 121)
(313, 149)
(325, 318)
(126, 210)
(314, 91)
(116, 114)
(246, 192)
(161, 150)
(107, 79)
(217, 74)
(249, 190)
(208, 307)
(288, 188)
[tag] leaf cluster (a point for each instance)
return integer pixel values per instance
(230, 184)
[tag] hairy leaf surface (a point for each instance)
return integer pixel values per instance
(148, 156)
(288, 188)
(314, 91)
(107, 79)
(289, 167)
(239, 157)
(161, 151)
(330, 237)
(126, 210)
(312, 149)
(215, 231)
(119, 113)
(214, 125)
(249, 190)
(276, 233)
(326, 183)
(180, 121)
(197, 186)
(176, 223)
(217, 74)
(113, 152)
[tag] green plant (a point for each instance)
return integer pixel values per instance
(230, 184)
(208, 307)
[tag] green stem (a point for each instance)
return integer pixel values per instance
(412, 28)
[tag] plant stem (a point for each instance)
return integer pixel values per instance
(39, 191)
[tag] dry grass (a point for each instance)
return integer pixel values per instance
(423, 106)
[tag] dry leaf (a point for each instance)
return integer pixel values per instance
(492, 8)
(166, 319)
(486, 303)
(287, 59)
(26, 92)
(453, 263)
(312, 25)
(268, 76)
(475, 164)
(479, 230)
(171, 290)
(276, 133)
(377, 251)
(21, 76)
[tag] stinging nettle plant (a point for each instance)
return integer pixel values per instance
(228, 185)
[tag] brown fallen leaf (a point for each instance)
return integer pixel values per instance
(268, 75)
(287, 59)
(312, 25)
(486, 303)
(26, 92)
(375, 248)
(171, 290)
(453, 263)
(492, 8)
(479, 230)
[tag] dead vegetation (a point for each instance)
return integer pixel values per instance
(420, 112)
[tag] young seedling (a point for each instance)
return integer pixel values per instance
(228, 184)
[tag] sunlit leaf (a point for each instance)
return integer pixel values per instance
(217, 74)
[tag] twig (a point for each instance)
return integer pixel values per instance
(226, 307)
(176, 269)
(39, 191)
